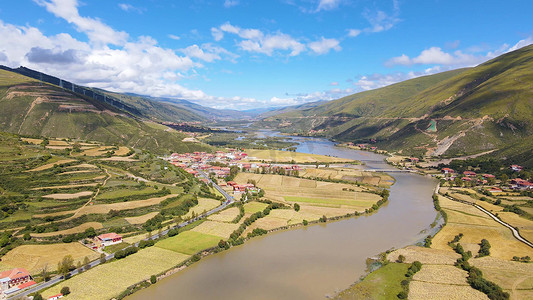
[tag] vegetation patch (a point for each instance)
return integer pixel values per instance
(189, 242)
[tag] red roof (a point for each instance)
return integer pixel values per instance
(15, 273)
(488, 176)
(109, 236)
(469, 173)
(55, 296)
(27, 284)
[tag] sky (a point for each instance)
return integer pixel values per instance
(246, 54)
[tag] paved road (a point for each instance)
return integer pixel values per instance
(229, 200)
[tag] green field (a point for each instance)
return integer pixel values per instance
(252, 207)
(381, 284)
(189, 242)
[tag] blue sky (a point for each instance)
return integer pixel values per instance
(245, 54)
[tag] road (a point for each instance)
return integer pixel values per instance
(56, 279)
(515, 232)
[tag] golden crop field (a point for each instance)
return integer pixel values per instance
(204, 204)
(51, 165)
(348, 174)
(60, 196)
(108, 280)
(141, 219)
(64, 186)
(514, 277)
(119, 158)
(288, 190)
(226, 215)
(426, 290)
(288, 156)
(442, 274)
(34, 257)
(425, 255)
(475, 226)
(77, 229)
(220, 229)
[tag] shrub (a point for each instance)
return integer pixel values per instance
(65, 290)
(153, 279)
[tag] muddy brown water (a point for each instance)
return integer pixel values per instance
(310, 262)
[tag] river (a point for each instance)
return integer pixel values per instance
(309, 262)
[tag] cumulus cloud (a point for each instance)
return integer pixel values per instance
(377, 80)
(522, 43)
(208, 52)
(97, 31)
(324, 45)
(435, 55)
(49, 56)
(254, 40)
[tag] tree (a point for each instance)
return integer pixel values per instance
(44, 273)
(504, 179)
(296, 207)
(65, 290)
(86, 263)
(27, 236)
(153, 279)
(79, 266)
(102, 258)
(401, 258)
(37, 296)
(90, 232)
(65, 265)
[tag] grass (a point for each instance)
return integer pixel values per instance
(34, 257)
(108, 280)
(125, 192)
(253, 207)
(114, 248)
(204, 204)
(381, 284)
(61, 196)
(51, 165)
(189, 242)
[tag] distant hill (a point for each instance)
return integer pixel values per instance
(465, 111)
(31, 107)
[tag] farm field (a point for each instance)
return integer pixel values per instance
(51, 165)
(141, 219)
(34, 257)
(189, 242)
(253, 207)
(61, 196)
(226, 215)
(204, 204)
(514, 277)
(381, 284)
(475, 226)
(108, 280)
(288, 157)
(220, 229)
(308, 192)
(349, 174)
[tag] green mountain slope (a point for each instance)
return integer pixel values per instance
(466, 111)
(30, 107)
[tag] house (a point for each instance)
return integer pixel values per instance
(414, 159)
(108, 239)
(466, 179)
(486, 176)
(55, 297)
(495, 190)
(469, 173)
(15, 278)
(447, 171)
(521, 184)
(516, 168)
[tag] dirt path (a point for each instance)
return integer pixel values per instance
(93, 197)
(35, 102)
(516, 284)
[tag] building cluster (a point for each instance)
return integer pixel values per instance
(14, 280)
(471, 176)
(104, 240)
(207, 162)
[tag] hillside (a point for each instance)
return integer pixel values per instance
(30, 107)
(466, 111)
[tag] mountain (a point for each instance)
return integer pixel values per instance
(300, 107)
(36, 108)
(465, 111)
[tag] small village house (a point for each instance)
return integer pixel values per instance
(108, 239)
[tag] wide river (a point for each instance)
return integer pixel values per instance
(309, 262)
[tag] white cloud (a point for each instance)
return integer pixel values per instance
(208, 52)
(255, 40)
(353, 32)
(327, 4)
(98, 32)
(324, 45)
(129, 8)
(174, 37)
(435, 55)
(522, 43)
(334, 83)
(230, 3)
